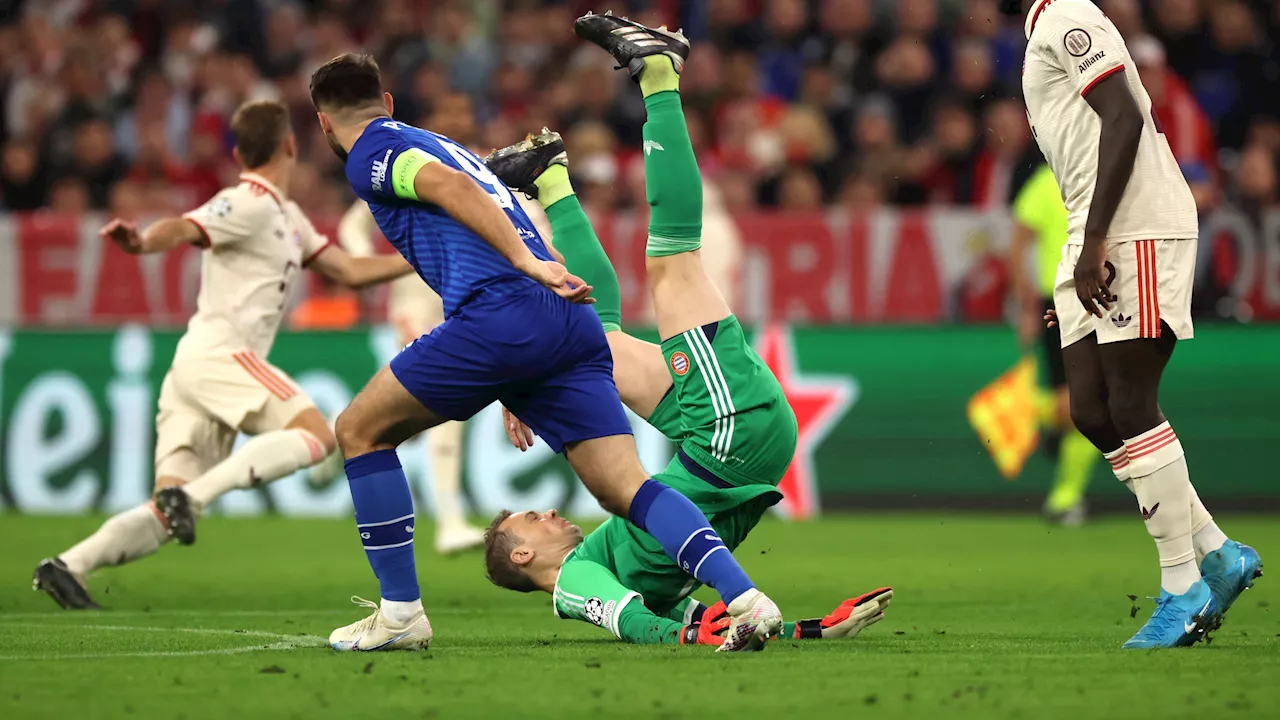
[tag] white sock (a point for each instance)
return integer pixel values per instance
(1119, 460)
(444, 446)
(400, 612)
(132, 534)
(1205, 534)
(266, 457)
(1163, 486)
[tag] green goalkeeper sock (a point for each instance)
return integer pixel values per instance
(553, 186)
(574, 237)
(672, 181)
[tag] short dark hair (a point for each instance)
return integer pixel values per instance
(498, 566)
(347, 82)
(258, 128)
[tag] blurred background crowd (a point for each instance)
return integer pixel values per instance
(122, 105)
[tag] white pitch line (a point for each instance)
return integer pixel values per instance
(4, 617)
(283, 642)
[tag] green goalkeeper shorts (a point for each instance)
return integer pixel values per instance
(735, 420)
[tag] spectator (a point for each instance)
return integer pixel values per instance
(1234, 63)
(69, 196)
(24, 181)
(849, 45)
(862, 195)
(917, 21)
(784, 55)
(467, 56)
(1181, 120)
(907, 72)
(974, 76)
(1126, 15)
(1180, 29)
(154, 100)
(1256, 178)
(93, 162)
(950, 181)
(799, 190)
(1009, 157)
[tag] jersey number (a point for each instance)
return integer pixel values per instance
(477, 170)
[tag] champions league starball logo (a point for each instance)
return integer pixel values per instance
(594, 609)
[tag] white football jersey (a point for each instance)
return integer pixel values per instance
(1071, 47)
(256, 242)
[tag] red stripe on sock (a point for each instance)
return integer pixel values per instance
(1139, 446)
(1151, 449)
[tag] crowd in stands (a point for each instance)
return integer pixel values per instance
(122, 105)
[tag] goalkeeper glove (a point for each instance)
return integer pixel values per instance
(850, 618)
(710, 627)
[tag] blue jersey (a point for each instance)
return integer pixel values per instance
(455, 261)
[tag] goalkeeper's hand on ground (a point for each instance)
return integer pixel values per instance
(709, 629)
(850, 618)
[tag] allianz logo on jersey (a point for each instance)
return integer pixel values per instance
(526, 234)
(379, 173)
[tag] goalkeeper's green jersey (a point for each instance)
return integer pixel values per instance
(620, 578)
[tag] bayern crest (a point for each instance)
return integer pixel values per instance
(679, 363)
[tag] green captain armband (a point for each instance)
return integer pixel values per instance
(405, 169)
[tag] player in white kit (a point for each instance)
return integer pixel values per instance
(1123, 296)
(256, 242)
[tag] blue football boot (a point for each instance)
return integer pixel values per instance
(1230, 570)
(1179, 620)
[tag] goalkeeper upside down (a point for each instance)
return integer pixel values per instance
(703, 387)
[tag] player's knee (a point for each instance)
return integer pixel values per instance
(350, 436)
(1090, 416)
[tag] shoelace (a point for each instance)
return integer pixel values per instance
(367, 623)
(1161, 621)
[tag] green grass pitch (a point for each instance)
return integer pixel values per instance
(994, 617)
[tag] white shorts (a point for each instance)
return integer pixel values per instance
(1152, 283)
(205, 402)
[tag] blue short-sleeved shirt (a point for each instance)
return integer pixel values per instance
(455, 261)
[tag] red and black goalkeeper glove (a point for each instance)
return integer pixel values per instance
(852, 617)
(710, 629)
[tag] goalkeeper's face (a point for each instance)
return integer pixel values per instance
(543, 532)
(523, 550)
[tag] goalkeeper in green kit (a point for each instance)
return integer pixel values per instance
(703, 387)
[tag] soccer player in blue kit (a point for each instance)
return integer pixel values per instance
(517, 330)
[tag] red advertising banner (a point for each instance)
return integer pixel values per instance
(892, 267)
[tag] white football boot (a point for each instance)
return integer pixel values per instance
(376, 632)
(452, 539)
(755, 619)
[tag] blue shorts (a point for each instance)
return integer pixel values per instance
(544, 358)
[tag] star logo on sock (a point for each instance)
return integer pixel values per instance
(650, 146)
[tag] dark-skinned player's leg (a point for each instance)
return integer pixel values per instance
(1157, 468)
(1191, 543)
(1090, 410)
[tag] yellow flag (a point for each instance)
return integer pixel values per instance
(1006, 417)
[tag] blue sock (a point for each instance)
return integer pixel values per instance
(686, 535)
(384, 517)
